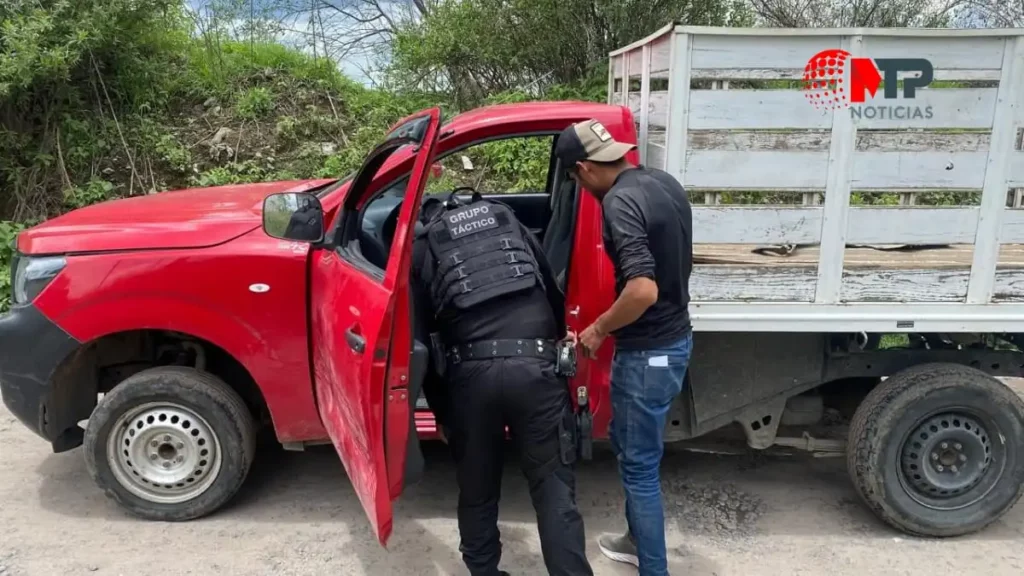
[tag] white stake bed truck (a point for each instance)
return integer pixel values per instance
(858, 249)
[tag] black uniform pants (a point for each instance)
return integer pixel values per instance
(525, 395)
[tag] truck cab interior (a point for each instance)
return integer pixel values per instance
(547, 210)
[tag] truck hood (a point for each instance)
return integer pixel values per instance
(190, 218)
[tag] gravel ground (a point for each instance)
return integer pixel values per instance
(297, 514)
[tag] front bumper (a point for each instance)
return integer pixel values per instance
(31, 349)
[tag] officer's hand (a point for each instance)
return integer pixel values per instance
(591, 339)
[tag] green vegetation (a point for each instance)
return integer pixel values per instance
(101, 99)
(498, 167)
(894, 341)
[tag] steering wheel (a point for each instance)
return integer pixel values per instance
(387, 228)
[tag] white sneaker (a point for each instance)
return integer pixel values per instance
(620, 548)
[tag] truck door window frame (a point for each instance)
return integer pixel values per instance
(345, 233)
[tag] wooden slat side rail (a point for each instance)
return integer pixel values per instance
(1011, 230)
(634, 61)
(964, 155)
(903, 285)
(657, 107)
(656, 155)
(839, 176)
(867, 225)
(660, 58)
(750, 225)
(644, 117)
(953, 108)
(802, 170)
(667, 31)
(678, 117)
(710, 283)
(797, 73)
(819, 140)
(784, 33)
(614, 64)
(997, 175)
(749, 140)
(757, 51)
(958, 108)
(858, 255)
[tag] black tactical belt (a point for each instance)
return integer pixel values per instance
(511, 348)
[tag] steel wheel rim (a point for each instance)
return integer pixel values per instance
(164, 453)
(951, 459)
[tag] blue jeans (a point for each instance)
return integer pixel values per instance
(643, 385)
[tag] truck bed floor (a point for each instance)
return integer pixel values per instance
(892, 257)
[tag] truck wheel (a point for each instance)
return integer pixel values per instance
(170, 443)
(936, 450)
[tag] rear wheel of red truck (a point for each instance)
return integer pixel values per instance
(170, 443)
(936, 450)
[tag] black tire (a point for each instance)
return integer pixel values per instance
(223, 416)
(908, 480)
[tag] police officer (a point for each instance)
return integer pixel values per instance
(306, 222)
(484, 290)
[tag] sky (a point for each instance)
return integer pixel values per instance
(353, 66)
(300, 31)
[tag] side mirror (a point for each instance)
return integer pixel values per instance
(293, 216)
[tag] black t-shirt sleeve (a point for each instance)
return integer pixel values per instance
(626, 221)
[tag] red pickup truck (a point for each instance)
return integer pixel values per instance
(161, 333)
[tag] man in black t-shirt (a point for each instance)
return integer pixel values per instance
(648, 237)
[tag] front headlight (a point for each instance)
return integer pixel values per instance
(31, 275)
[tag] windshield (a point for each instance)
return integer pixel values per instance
(334, 185)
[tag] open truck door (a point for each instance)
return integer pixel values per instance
(589, 292)
(362, 333)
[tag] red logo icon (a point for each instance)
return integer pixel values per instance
(825, 84)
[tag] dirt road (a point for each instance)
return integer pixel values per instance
(744, 515)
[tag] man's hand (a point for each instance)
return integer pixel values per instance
(570, 336)
(591, 339)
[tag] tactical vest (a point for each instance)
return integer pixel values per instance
(481, 254)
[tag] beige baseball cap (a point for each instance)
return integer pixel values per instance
(589, 140)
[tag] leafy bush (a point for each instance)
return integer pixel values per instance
(8, 234)
(255, 103)
(93, 191)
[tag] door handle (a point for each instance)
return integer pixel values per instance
(355, 341)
